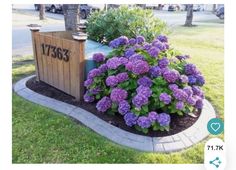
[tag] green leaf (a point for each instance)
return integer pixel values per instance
(145, 108)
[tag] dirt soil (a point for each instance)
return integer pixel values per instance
(178, 123)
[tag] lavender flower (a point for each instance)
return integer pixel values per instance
(197, 91)
(113, 63)
(190, 100)
(188, 90)
(180, 95)
(132, 41)
(153, 51)
(144, 122)
(118, 95)
(182, 57)
(104, 104)
(129, 66)
(146, 91)
(155, 71)
(139, 100)
(94, 73)
(121, 77)
(171, 76)
(98, 57)
(112, 81)
(95, 90)
(199, 104)
(135, 57)
(124, 107)
(153, 116)
(164, 119)
(130, 119)
(161, 46)
(88, 97)
(147, 46)
(140, 39)
(123, 40)
(165, 98)
(179, 105)
(200, 80)
(123, 60)
(140, 67)
(192, 79)
(88, 82)
(163, 63)
(145, 81)
(162, 38)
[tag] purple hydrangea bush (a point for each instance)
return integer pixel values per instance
(145, 83)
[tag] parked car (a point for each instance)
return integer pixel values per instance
(86, 9)
(36, 7)
(220, 12)
(54, 8)
(173, 7)
(197, 8)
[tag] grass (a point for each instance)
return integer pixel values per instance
(41, 135)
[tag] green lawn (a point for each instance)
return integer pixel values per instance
(41, 135)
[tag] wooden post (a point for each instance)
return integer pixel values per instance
(34, 28)
(80, 38)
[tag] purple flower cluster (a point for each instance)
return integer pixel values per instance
(182, 57)
(179, 105)
(171, 76)
(129, 52)
(155, 71)
(139, 100)
(140, 67)
(124, 107)
(104, 104)
(145, 81)
(123, 40)
(162, 38)
(140, 39)
(163, 63)
(132, 41)
(118, 95)
(88, 82)
(180, 94)
(165, 98)
(146, 91)
(153, 116)
(113, 63)
(121, 77)
(98, 57)
(194, 75)
(94, 73)
(153, 51)
(112, 81)
(144, 122)
(130, 119)
(103, 68)
(164, 119)
(88, 97)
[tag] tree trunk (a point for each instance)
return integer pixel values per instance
(70, 16)
(42, 12)
(189, 17)
(214, 8)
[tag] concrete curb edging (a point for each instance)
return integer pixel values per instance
(197, 132)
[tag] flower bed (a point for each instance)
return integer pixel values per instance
(144, 82)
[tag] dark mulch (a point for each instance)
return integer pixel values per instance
(178, 123)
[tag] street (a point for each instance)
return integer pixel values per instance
(21, 37)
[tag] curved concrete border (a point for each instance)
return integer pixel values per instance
(197, 132)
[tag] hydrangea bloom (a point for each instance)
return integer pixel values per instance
(140, 39)
(95, 90)
(88, 97)
(190, 69)
(121, 77)
(123, 40)
(197, 91)
(164, 119)
(188, 90)
(94, 73)
(153, 51)
(140, 67)
(171, 76)
(113, 63)
(180, 95)
(129, 52)
(163, 63)
(200, 80)
(139, 100)
(103, 68)
(130, 119)
(158, 44)
(184, 79)
(112, 81)
(88, 82)
(192, 79)
(146, 91)
(199, 104)
(152, 116)
(165, 98)
(145, 81)
(182, 57)
(173, 87)
(118, 95)
(129, 66)
(144, 122)
(104, 104)
(191, 100)
(155, 71)
(179, 105)
(147, 46)
(98, 57)
(135, 57)
(123, 60)
(124, 107)
(162, 38)
(132, 41)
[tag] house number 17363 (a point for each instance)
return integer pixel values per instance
(55, 52)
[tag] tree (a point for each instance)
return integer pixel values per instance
(42, 12)
(70, 16)
(189, 16)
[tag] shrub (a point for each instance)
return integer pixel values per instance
(144, 82)
(104, 26)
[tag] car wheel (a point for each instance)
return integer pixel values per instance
(83, 14)
(221, 16)
(53, 9)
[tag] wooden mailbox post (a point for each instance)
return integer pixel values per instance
(60, 59)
